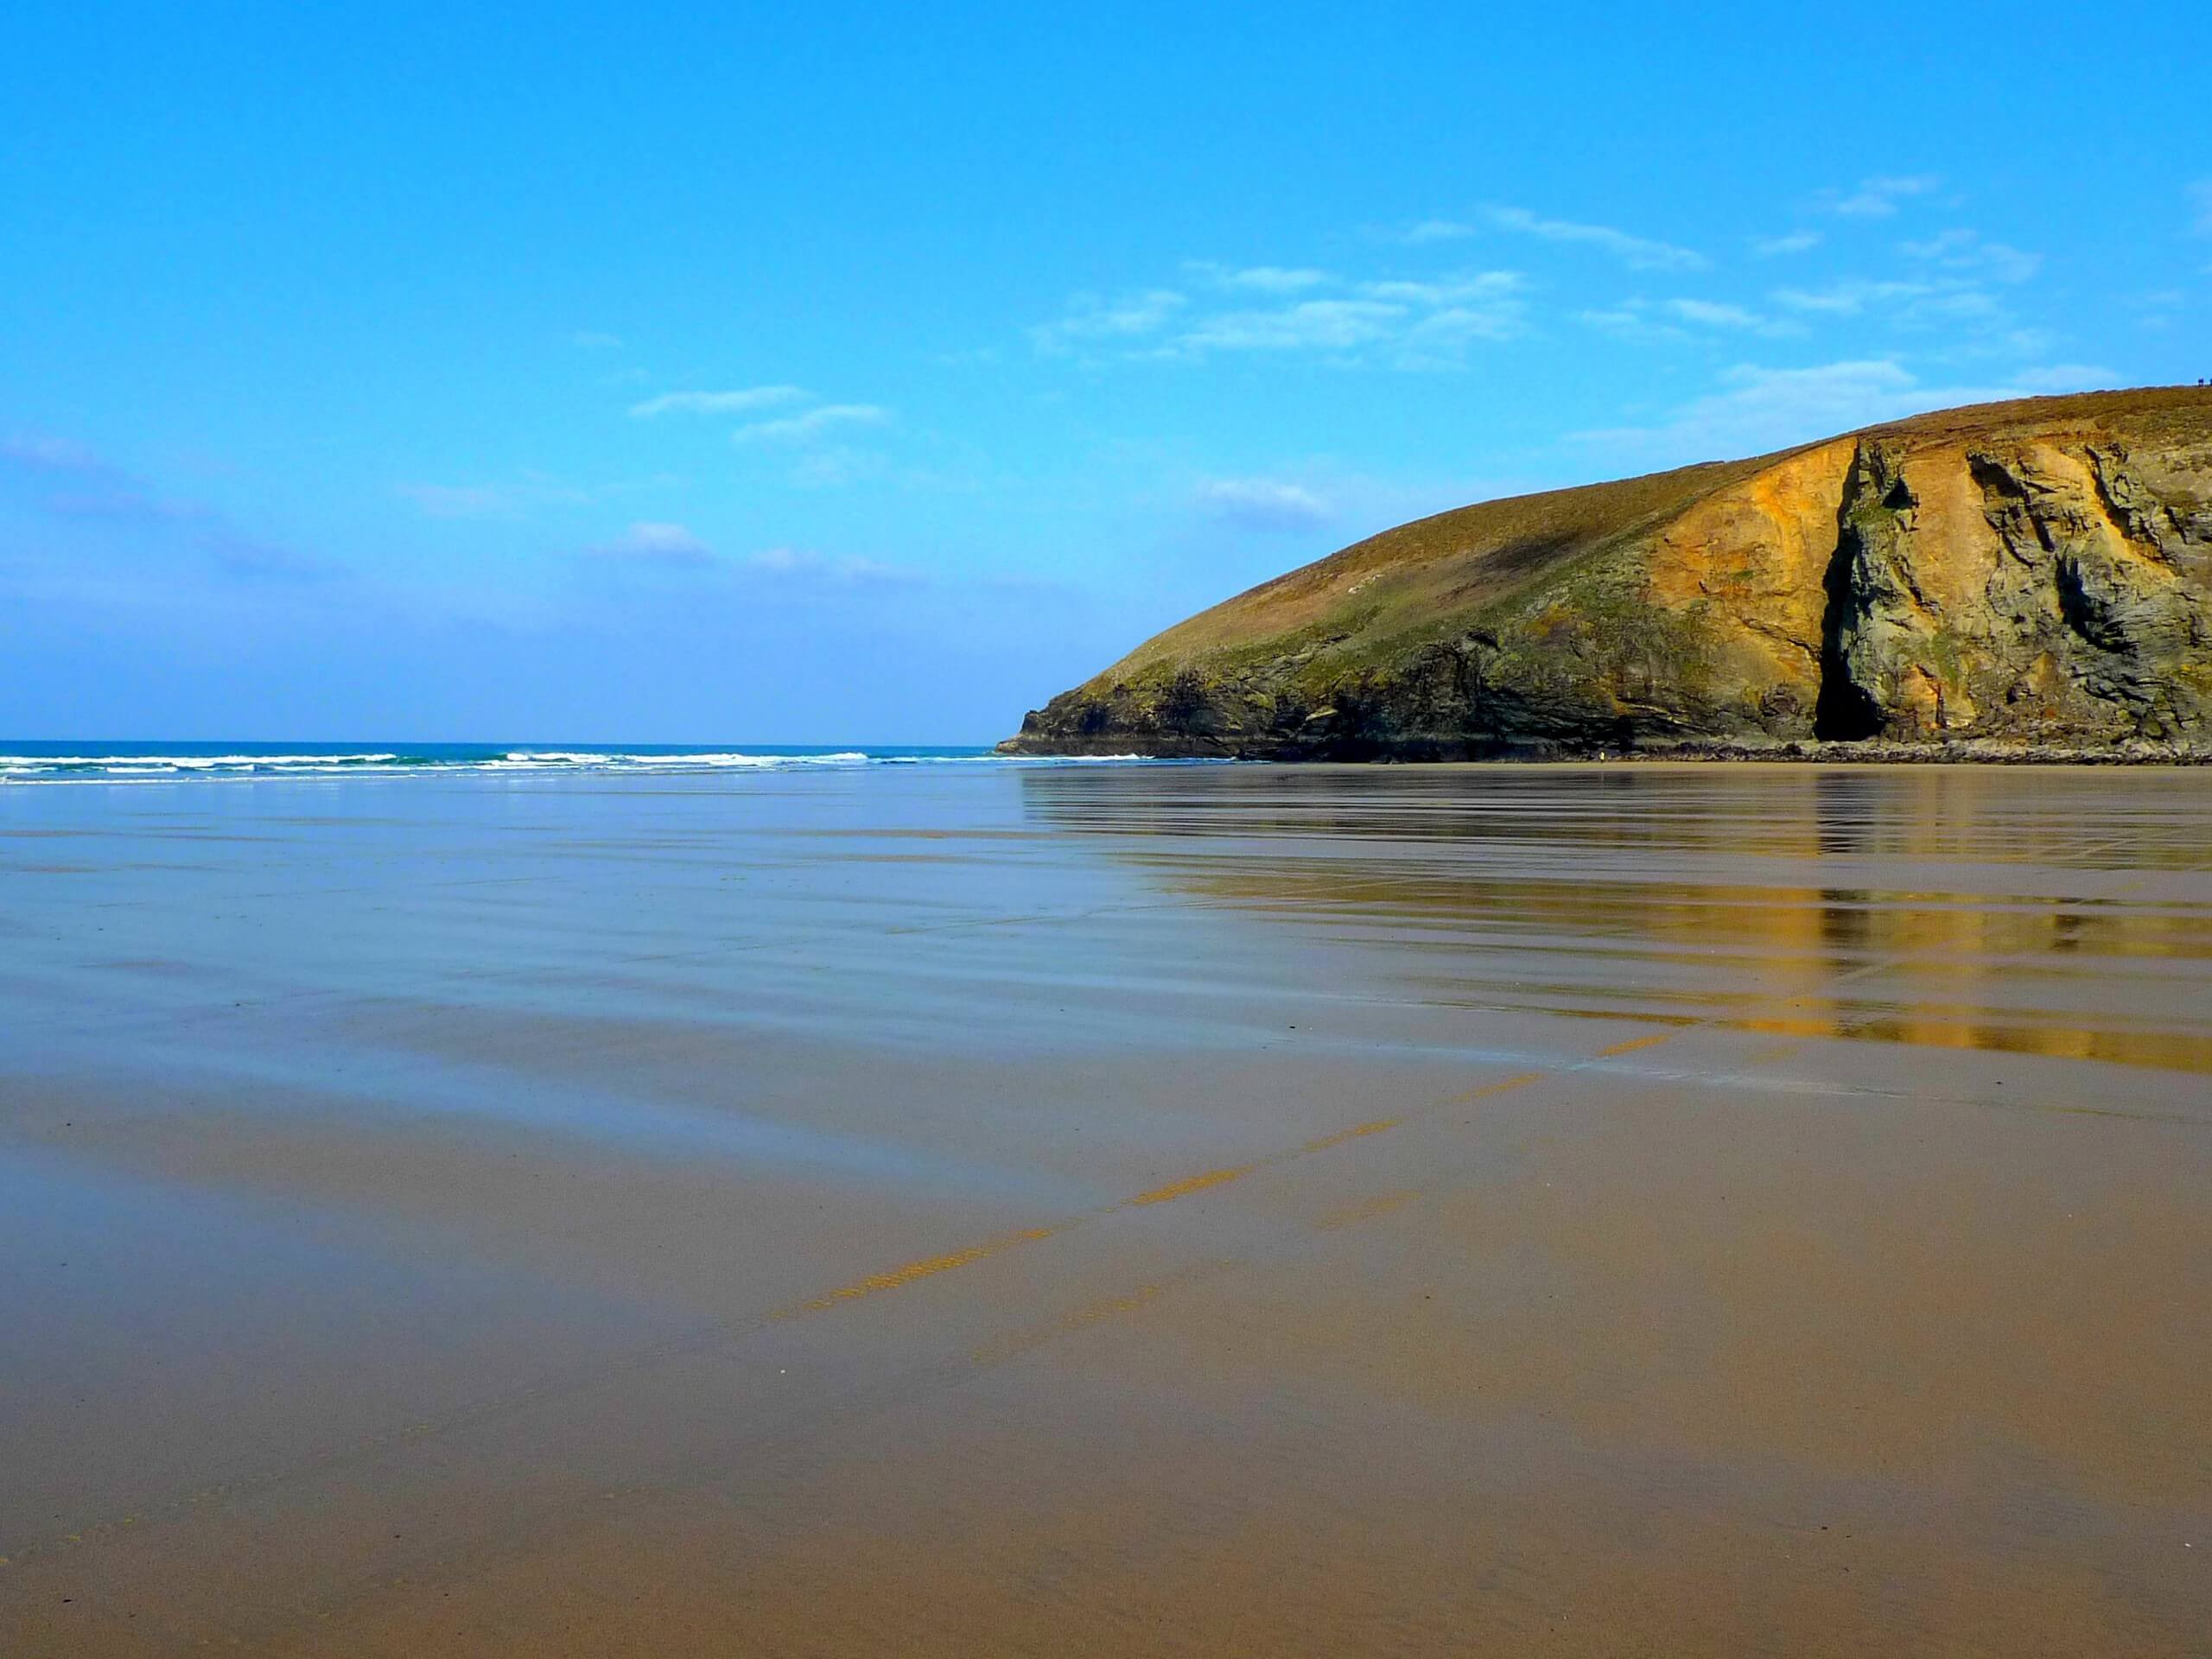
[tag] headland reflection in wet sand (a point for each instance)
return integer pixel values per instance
(1146, 1210)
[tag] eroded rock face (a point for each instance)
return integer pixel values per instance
(2003, 592)
(2030, 573)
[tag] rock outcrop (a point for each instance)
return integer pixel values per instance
(2033, 576)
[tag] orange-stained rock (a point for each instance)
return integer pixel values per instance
(2031, 572)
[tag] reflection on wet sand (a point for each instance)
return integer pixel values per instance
(1206, 1210)
(1547, 915)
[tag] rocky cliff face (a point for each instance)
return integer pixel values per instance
(2030, 573)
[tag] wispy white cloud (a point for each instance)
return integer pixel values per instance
(1760, 408)
(86, 485)
(1439, 230)
(1755, 408)
(1261, 279)
(462, 501)
(1092, 319)
(1442, 339)
(1770, 247)
(658, 544)
(1404, 323)
(847, 570)
(1955, 301)
(1957, 305)
(1878, 198)
(512, 499)
(820, 463)
(1966, 250)
(798, 429)
(1471, 288)
(2156, 309)
(593, 340)
(1661, 318)
(673, 551)
(834, 467)
(1262, 503)
(42, 452)
(1637, 252)
(719, 403)
(1631, 318)
(1310, 325)
(1849, 297)
(1714, 315)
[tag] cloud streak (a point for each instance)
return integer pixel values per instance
(1849, 297)
(718, 402)
(1310, 325)
(799, 429)
(1262, 503)
(85, 486)
(1636, 253)
(847, 570)
(1949, 291)
(1680, 318)
(512, 500)
(1261, 279)
(1772, 247)
(653, 542)
(1878, 198)
(649, 549)
(1966, 250)
(1437, 230)
(1091, 319)
(1405, 323)
(1756, 409)
(41, 452)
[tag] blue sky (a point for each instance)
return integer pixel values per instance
(852, 373)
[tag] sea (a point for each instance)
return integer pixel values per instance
(48, 761)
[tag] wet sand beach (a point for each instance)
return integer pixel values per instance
(969, 1209)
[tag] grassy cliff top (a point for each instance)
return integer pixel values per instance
(1409, 582)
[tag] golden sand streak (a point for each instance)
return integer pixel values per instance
(875, 1283)
(1366, 1209)
(1183, 1189)
(1352, 1133)
(1520, 1081)
(1633, 1044)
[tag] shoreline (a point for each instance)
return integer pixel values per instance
(1863, 752)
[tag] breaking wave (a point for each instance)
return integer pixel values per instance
(51, 763)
